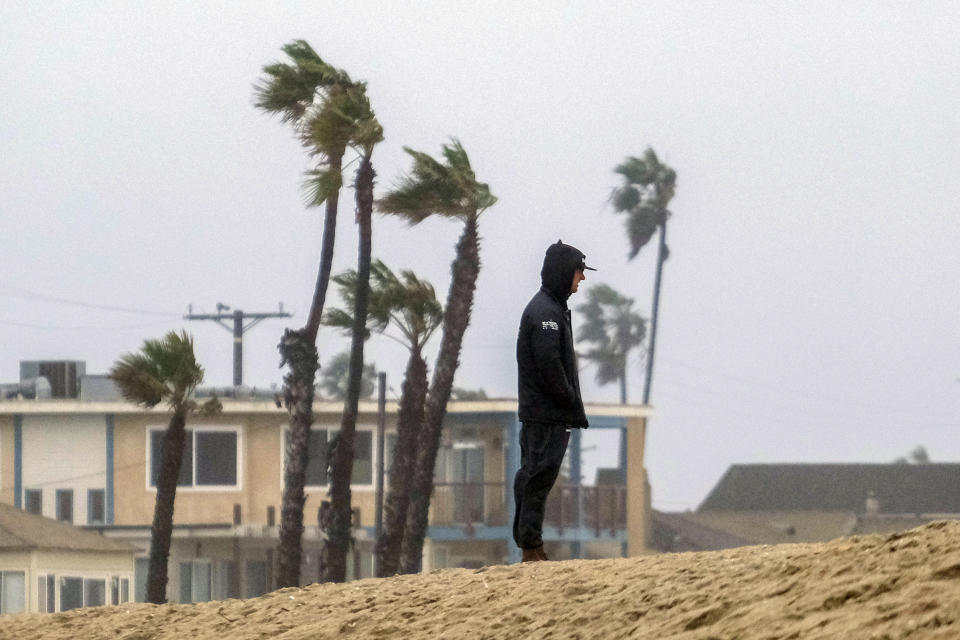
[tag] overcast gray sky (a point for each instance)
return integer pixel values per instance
(810, 308)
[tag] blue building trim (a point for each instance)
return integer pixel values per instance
(108, 498)
(511, 467)
(607, 422)
(18, 460)
(576, 478)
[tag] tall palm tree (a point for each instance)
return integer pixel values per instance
(164, 370)
(648, 186)
(311, 95)
(365, 134)
(611, 329)
(450, 190)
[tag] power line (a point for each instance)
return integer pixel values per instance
(82, 328)
(24, 294)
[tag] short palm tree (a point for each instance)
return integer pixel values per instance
(611, 329)
(307, 93)
(451, 190)
(409, 306)
(648, 186)
(164, 370)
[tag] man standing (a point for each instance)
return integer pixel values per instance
(549, 392)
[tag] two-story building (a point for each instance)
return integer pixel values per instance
(94, 464)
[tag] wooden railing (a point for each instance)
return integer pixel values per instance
(602, 508)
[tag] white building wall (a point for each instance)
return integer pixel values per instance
(64, 452)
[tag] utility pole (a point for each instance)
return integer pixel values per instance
(237, 329)
(381, 457)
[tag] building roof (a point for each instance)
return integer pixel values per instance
(22, 531)
(681, 532)
(899, 488)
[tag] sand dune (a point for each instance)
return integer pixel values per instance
(882, 586)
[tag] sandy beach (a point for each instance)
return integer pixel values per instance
(882, 586)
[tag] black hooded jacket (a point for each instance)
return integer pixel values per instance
(549, 385)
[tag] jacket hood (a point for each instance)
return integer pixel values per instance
(559, 265)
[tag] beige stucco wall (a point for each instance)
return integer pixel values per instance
(638, 503)
(260, 472)
(87, 562)
(14, 560)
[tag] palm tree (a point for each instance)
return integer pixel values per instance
(648, 187)
(164, 370)
(450, 190)
(612, 329)
(316, 99)
(410, 306)
(365, 134)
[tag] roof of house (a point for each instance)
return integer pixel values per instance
(681, 532)
(899, 488)
(21, 531)
(710, 530)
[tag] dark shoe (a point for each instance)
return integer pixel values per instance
(533, 555)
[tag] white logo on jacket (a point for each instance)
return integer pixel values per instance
(550, 324)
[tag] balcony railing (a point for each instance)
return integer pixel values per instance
(602, 508)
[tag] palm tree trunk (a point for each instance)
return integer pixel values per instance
(301, 354)
(409, 421)
(339, 527)
(171, 458)
(654, 323)
(299, 349)
(456, 318)
(326, 258)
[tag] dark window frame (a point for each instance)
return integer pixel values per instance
(60, 510)
(91, 493)
(33, 493)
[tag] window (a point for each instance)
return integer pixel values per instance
(256, 578)
(185, 479)
(195, 581)
(223, 588)
(140, 568)
(96, 506)
(71, 593)
(317, 465)
(33, 501)
(94, 592)
(46, 594)
(210, 458)
(65, 505)
(119, 590)
(12, 591)
(390, 444)
(362, 458)
(216, 457)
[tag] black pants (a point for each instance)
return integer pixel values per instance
(542, 447)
